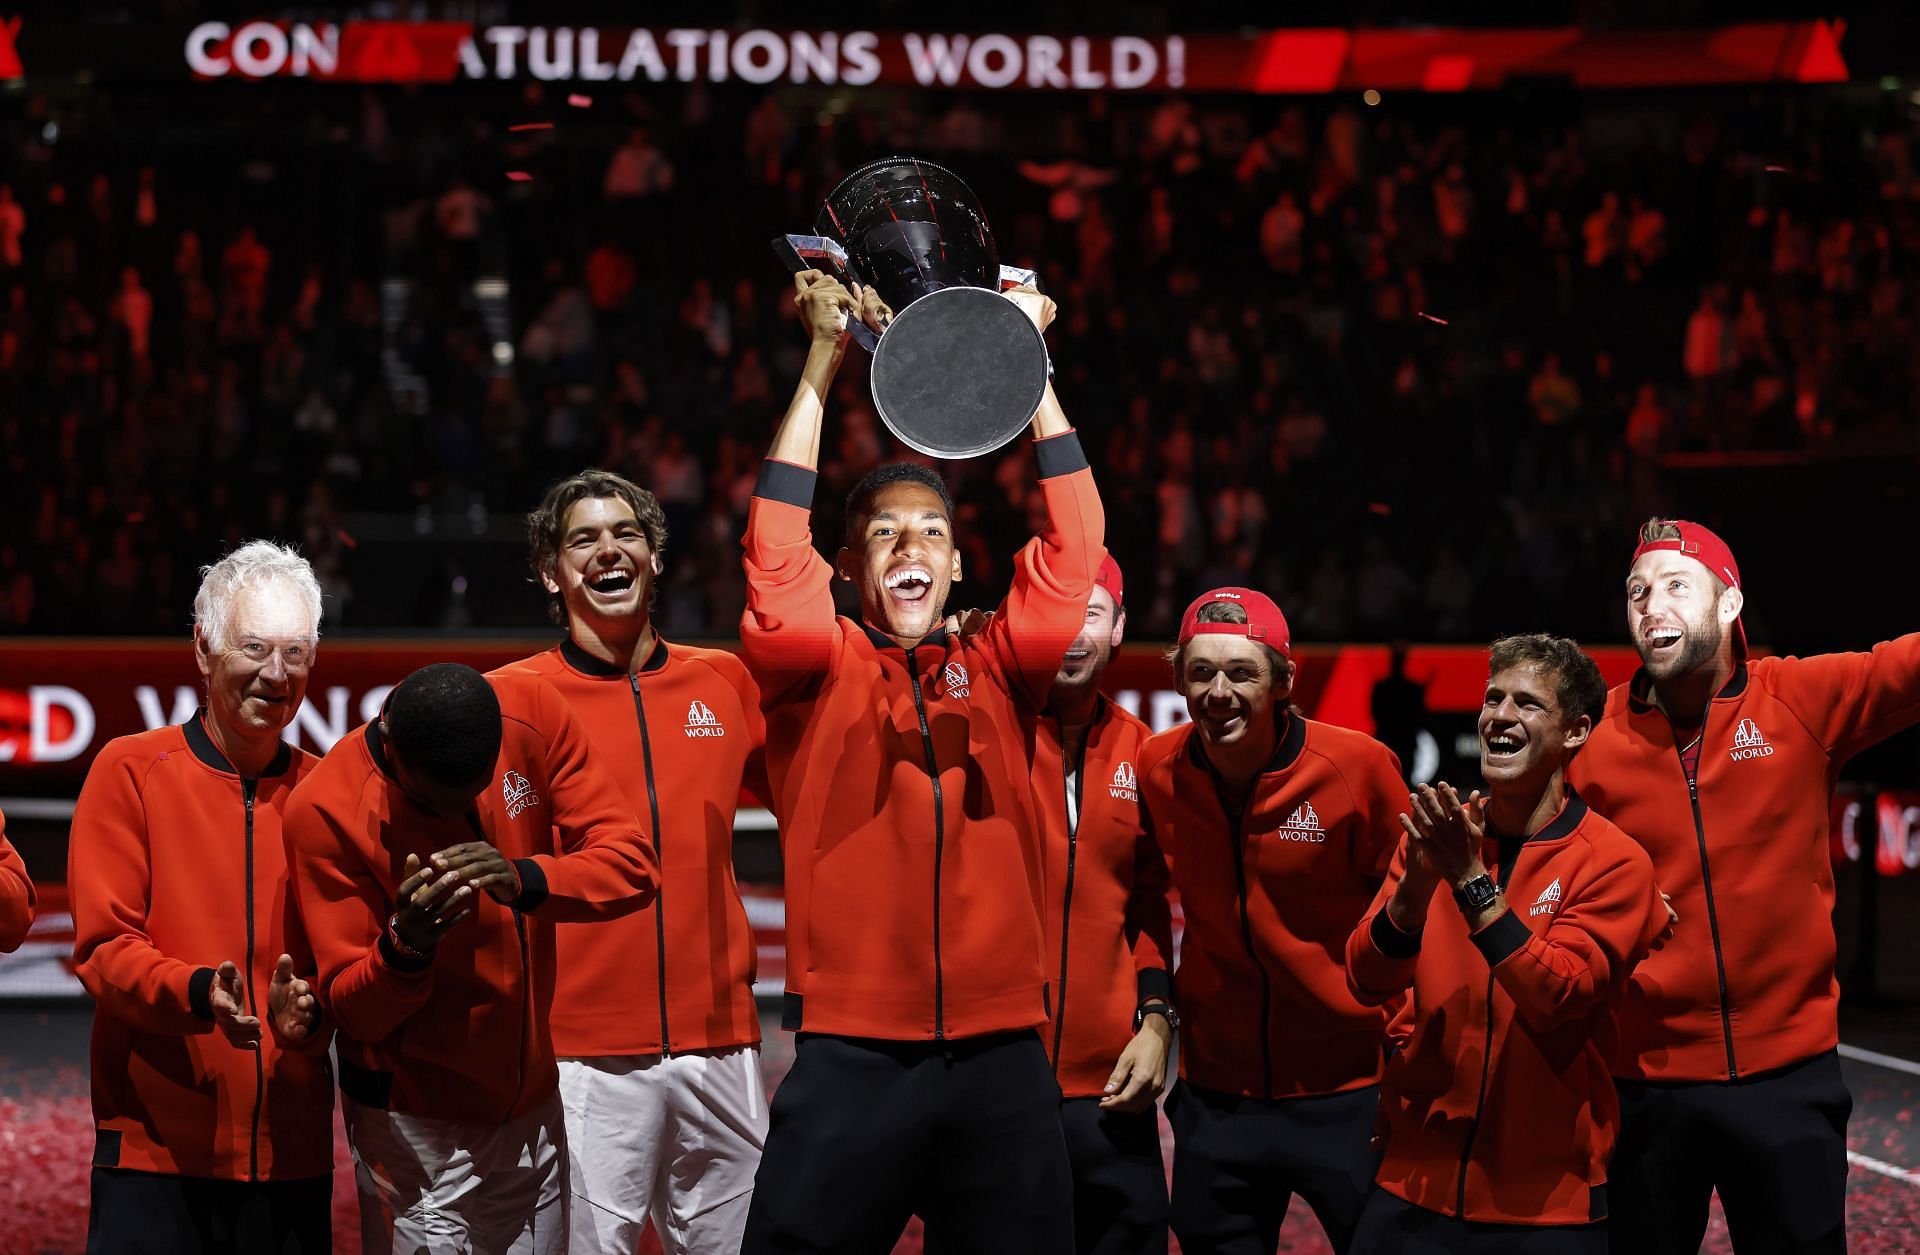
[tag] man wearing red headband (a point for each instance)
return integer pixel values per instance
(1109, 941)
(1723, 768)
(1278, 831)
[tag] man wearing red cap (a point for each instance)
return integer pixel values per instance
(1723, 768)
(1109, 941)
(1278, 831)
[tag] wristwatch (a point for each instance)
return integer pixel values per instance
(1476, 893)
(1140, 1015)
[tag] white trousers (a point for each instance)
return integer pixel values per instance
(676, 1138)
(446, 1187)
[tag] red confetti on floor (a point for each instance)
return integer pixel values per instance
(1430, 318)
(532, 126)
(519, 176)
(46, 1139)
(580, 102)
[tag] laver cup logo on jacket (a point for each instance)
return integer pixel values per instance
(1748, 742)
(1549, 900)
(955, 676)
(701, 721)
(1303, 825)
(1125, 788)
(518, 793)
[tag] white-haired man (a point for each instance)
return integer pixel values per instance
(212, 1101)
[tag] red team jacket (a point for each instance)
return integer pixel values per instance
(175, 865)
(16, 895)
(1109, 932)
(1270, 896)
(905, 807)
(1746, 985)
(680, 735)
(466, 1038)
(1500, 1105)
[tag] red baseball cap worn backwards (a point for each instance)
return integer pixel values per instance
(1704, 547)
(1264, 622)
(1109, 578)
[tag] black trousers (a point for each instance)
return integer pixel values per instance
(866, 1134)
(1774, 1146)
(1238, 1162)
(1393, 1226)
(153, 1213)
(1119, 1179)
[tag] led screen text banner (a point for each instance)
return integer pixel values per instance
(1302, 61)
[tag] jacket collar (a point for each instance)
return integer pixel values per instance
(881, 640)
(377, 750)
(1286, 750)
(1572, 813)
(1640, 688)
(586, 664)
(200, 741)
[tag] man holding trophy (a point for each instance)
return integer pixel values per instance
(915, 978)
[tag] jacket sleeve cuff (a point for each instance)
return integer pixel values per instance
(1498, 940)
(1153, 982)
(200, 993)
(400, 962)
(533, 883)
(1060, 455)
(1389, 940)
(786, 482)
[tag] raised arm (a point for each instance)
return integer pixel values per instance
(786, 634)
(1851, 700)
(1053, 573)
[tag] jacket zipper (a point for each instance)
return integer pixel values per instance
(1501, 877)
(526, 999)
(1066, 907)
(939, 846)
(660, 861)
(247, 790)
(1238, 816)
(1706, 884)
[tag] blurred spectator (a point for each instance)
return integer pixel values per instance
(1282, 322)
(638, 168)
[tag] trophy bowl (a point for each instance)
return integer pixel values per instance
(960, 370)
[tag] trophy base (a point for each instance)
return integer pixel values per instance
(959, 373)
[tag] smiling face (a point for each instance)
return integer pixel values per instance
(903, 560)
(1231, 689)
(605, 567)
(1678, 613)
(1100, 635)
(257, 676)
(1525, 734)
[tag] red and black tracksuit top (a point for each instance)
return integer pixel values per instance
(16, 895)
(682, 733)
(1747, 984)
(1109, 932)
(900, 775)
(175, 865)
(1499, 1106)
(1270, 891)
(464, 1035)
